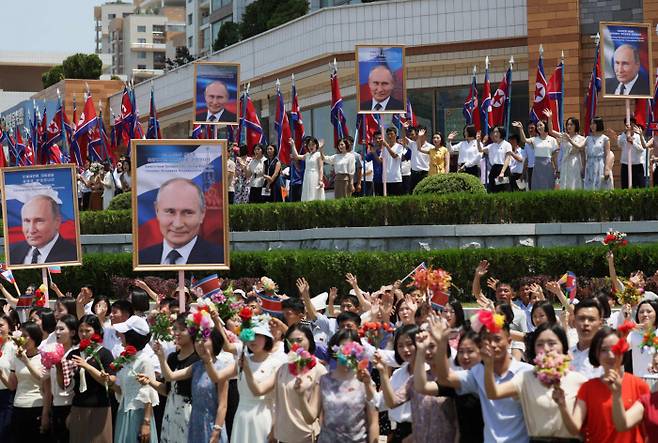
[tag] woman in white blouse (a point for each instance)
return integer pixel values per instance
(66, 333)
(571, 164)
(469, 156)
(500, 156)
(545, 147)
(598, 169)
(344, 167)
(26, 377)
(256, 174)
(7, 354)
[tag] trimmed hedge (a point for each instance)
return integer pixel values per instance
(121, 201)
(458, 208)
(450, 183)
(326, 269)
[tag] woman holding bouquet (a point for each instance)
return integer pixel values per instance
(645, 317)
(90, 420)
(340, 398)
(536, 391)
(591, 415)
(289, 423)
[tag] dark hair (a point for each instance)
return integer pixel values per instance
(597, 340)
(412, 128)
(342, 335)
(294, 304)
(98, 299)
(137, 340)
(652, 303)
(470, 131)
(556, 329)
(606, 312)
(460, 318)
(440, 134)
(467, 334)
(301, 327)
(251, 299)
(506, 310)
(180, 320)
(275, 148)
(47, 317)
(598, 122)
(217, 341)
(391, 129)
(576, 123)
(124, 306)
(376, 133)
(69, 304)
(422, 312)
(501, 130)
(514, 137)
(140, 300)
(10, 322)
(93, 321)
(548, 309)
(588, 303)
(545, 122)
(353, 298)
(244, 150)
(71, 323)
(259, 146)
(33, 331)
(408, 330)
(348, 316)
(313, 140)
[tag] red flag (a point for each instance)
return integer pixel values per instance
(282, 127)
(471, 109)
(296, 118)
(338, 119)
(251, 123)
(640, 112)
(499, 100)
(368, 124)
(591, 100)
(486, 104)
(541, 100)
(555, 96)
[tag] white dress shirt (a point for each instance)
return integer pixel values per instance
(183, 251)
(637, 151)
(383, 103)
(43, 252)
(627, 87)
(419, 160)
(392, 174)
(217, 115)
(469, 155)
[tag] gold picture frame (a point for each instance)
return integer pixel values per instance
(202, 79)
(392, 57)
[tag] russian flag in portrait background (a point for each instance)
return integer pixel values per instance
(158, 163)
(22, 185)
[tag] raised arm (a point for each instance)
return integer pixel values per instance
(258, 388)
(13, 301)
(227, 346)
(438, 328)
(524, 139)
(494, 391)
(364, 305)
(151, 293)
(573, 420)
(421, 384)
(309, 394)
(480, 271)
(167, 373)
(391, 399)
(624, 419)
(613, 272)
(304, 292)
(293, 148)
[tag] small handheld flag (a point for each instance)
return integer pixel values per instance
(569, 282)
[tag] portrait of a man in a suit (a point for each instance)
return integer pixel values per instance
(216, 96)
(629, 78)
(381, 83)
(41, 219)
(180, 209)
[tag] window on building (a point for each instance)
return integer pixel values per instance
(141, 66)
(141, 40)
(158, 29)
(111, 16)
(190, 42)
(141, 54)
(189, 19)
(141, 28)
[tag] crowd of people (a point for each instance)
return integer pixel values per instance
(386, 365)
(98, 183)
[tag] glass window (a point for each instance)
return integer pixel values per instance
(141, 66)
(189, 19)
(111, 16)
(423, 106)
(141, 40)
(141, 28)
(141, 54)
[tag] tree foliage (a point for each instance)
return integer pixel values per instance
(83, 66)
(52, 76)
(181, 58)
(228, 34)
(262, 15)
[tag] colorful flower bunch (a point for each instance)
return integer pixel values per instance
(246, 327)
(550, 367)
(18, 339)
(268, 286)
(352, 355)
(487, 319)
(127, 356)
(95, 168)
(435, 280)
(615, 240)
(649, 341)
(160, 325)
(52, 355)
(225, 303)
(300, 361)
(377, 333)
(39, 299)
(199, 322)
(632, 293)
(90, 347)
(620, 348)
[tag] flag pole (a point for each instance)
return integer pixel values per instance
(561, 115)
(181, 291)
(509, 95)
(630, 162)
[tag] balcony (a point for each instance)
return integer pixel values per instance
(148, 46)
(147, 72)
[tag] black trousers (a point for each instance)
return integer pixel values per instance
(25, 424)
(473, 170)
(368, 190)
(493, 173)
(529, 173)
(255, 194)
(637, 174)
(231, 197)
(378, 187)
(295, 193)
(231, 405)
(395, 188)
(59, 431)
(406, 184)
(416, 177)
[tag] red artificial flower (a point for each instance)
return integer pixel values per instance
(608, 239)
(40, 303)
(113, 367)
(84, 344)
(129, 350)
(294, 347)
(96, 338)
(245, 314)
(311, 364)
(626, 328)
(624, 242)
(621, 347)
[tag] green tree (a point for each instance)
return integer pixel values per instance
(182, 57)
(52, 76)
(262, 15)
(83, 66)
(228, 34)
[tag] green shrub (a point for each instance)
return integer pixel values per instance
(429, 209)
(121, 201)
(324, 269)
(449, 183)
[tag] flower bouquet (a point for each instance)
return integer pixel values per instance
(649, 341)
(89, 347)
(246, 327)
(127, 356)
(18, 339)
(225, 303)
(52, 355)
(488, 320)
(632, 293)
(160, 324)
(352, 355)
(39, 299)
(199, 322)
(268, 286)
(550, 367)
(435, 280)
(300, 361)
(615, 240)
(376, 333)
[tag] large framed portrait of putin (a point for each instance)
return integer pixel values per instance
(216, 88)
(381, 79)
(180, 205)
(40, 212)
(626, 60)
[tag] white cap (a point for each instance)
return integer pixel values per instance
(319, 302)
(134, 323)
(240, 292)
(262, 325)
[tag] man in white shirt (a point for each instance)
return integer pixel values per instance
(392, 158)
(420, 162)
(588, 316)
(629, 142)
